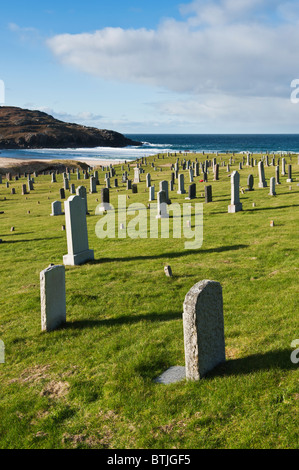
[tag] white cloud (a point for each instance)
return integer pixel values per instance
(222, 57)
(242, 57)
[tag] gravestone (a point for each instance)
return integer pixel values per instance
(105, 202)
(53, 178)
(134, 188)
(203, 329)
(272, 187)
(93, 185)
(216, 172)
(250, 183)
(283, 167)
(181, 185)
(56, 208)
(66, 184)
(62, 193)
(163, 186)
(81, 191)
(52, 294)
(129, 184)
(290, 179)
(73, 189)
(277, 174)
(208, 193)
(191, 175)
(168, 271)
(235, 205)
(262, 180)
(162, 205)
(192, 191)
(76, 229)
(136, 175)
(148, 180)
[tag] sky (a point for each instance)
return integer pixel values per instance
(155, 66)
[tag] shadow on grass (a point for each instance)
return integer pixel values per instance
(5, 242)
(124, 320)
(279, 359)
(179, 254)
(270, 208)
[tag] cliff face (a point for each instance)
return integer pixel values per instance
(25, 129)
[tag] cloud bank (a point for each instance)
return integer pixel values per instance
(246, 49)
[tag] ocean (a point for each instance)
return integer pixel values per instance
(158, 143)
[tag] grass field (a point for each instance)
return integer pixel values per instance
(90, 384)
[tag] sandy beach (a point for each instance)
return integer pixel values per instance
(12, 162)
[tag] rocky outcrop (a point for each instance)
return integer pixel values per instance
(26, 129)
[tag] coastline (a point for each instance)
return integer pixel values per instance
(6, 162)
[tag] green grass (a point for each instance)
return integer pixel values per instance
(90, 384)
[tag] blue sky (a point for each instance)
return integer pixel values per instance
(217, 66)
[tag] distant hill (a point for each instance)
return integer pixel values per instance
(26, 129)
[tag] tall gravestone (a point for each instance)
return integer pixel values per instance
(162, 205)
(152, 193)
(203, 329)
(52, 293)
(262, 180)
(250, 183)
(181, 189)
(208, 193)
(235, 205)
(76, 230)
(81, 191)
(277, 174)
(290, 179)
(272, 187)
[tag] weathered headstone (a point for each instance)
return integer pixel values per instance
(235, 205)
(162, 205)
(181, 189)
(56, 208)
(52, 293)
(152, 193)
(272, 187)
(290, 179)
(81, 191)
(105, 202)
(208, 194)
(262, 180)
(93, 185)
(203, 329)
(76, 229)
(250, 183)
(192, 191)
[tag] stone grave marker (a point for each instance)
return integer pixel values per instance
(76, 229)
(52, 293)
(203, 329)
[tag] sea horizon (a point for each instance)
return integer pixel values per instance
(153, 144)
